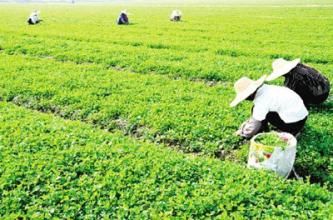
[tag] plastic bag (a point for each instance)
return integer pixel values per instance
(273, 157)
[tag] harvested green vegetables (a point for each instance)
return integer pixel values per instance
(271, 139)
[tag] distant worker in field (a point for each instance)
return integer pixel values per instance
(123, 18)
(307, 82)
(276, 105)
(176, 15)
(34, 18)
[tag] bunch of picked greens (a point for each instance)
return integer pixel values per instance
(271, 139)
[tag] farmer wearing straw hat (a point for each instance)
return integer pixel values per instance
(279, 106)
(176, 15)
(307, 82)
(123, 18)
(34, 19)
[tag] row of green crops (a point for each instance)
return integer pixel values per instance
(175, 112)
(192, 116)
(52, 168)
(222, 64)
(138, 59)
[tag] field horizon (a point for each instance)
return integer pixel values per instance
(186, 3)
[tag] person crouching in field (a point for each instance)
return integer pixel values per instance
(176, 15)
(307, 82)
(123, 18)
(276, 105)
(34, 18)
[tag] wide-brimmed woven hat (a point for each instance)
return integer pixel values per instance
(244, 87)
(282, 67)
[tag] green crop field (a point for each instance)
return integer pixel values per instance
(99, 121)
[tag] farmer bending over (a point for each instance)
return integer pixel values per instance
(279, 106)
(123, 18)
(176, 15)
(34, 18)
(307, 82)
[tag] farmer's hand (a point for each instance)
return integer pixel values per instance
(239, 132)
(249, 128)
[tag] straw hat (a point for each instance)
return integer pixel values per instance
(244, 87)
(282, 67)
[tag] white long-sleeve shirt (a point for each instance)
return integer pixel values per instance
(282, 100)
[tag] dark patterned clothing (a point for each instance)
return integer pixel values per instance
(274, 119)
(30, 21)
(308, 83)
(293, 128)
(176, 18)
(123, 19)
